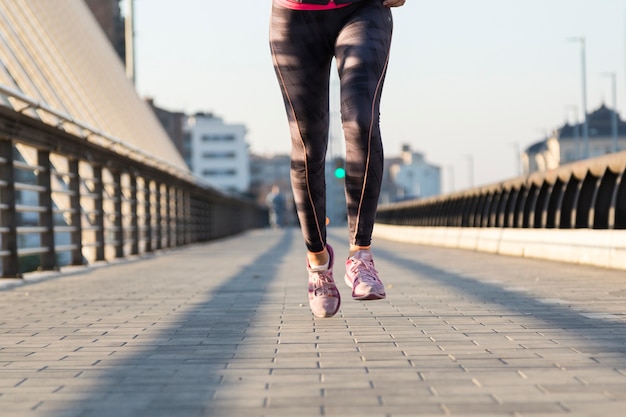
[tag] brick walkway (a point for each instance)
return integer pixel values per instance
(224, 329)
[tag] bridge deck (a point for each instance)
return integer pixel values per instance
(224, 329)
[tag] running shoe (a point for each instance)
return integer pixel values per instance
(324, 298)
(362, 277)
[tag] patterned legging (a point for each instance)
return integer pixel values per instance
(303, 44)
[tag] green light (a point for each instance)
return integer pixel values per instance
(340, 172)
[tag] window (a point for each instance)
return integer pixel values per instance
(224, 172)
(218, 154)
(227, 137)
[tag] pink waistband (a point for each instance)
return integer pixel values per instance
(304, 6)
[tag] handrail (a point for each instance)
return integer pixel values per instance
(65, 200)
(132, 151)
(585, 194)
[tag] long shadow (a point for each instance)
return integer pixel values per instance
(600, 335)
(179, 373)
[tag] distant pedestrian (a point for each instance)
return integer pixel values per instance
(305, 35)
(276, 205)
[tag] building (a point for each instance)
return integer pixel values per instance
(219, 152)
(110, 19)
(407, 176)
(174, 124)
(607, 134)
(411, 177)
(267, 171)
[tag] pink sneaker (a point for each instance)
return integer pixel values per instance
(324, 298)
(362, 277)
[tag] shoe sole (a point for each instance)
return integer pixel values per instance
(326, 314)
(369, 297)
(364, 297)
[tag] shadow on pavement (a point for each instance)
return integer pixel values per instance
(600, 334)
(177, 373)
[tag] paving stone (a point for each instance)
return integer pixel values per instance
(224, 329)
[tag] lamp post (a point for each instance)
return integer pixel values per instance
(611, 75)
(129, 28)
(583, 62)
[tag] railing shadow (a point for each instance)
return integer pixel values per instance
(599, 334)
(177, 375)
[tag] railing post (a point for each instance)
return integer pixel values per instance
(199, 210)
(618, 203)
(168, 216)
(208, 217)
(195, 216)
(46, 218)
(76, 236)
(158, 221)
(520, 203)
(188, 216)
(175, 194)
(98, 191)
(134, 221)
(204, 220)
(117, 213)
(8, 223)
(180, 218)
(147, 214)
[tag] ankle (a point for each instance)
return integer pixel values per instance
(317, 259)
(354, 249)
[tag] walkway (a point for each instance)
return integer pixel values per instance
(224, 329)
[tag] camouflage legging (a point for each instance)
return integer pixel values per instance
(303, 44)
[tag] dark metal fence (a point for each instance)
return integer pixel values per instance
(65, 200)
(587, 194)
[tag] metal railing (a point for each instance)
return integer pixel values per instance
(586, 194)
(74, 200)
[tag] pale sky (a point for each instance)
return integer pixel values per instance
(468, 81)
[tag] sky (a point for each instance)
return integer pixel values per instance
(469, 83)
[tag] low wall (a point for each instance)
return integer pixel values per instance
(602, 248)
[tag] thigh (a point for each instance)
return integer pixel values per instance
(302, 55)
(362, 53)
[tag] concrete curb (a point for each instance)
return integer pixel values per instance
(603, 248)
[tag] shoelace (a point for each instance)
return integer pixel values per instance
(323, 284)
(364, 271)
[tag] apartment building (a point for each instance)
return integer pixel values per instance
(219, 152)
(607, 134)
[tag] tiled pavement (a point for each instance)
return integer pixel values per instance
(224, 329)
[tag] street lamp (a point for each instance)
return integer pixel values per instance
(614, 115)
(583, 62)
(129, 34)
